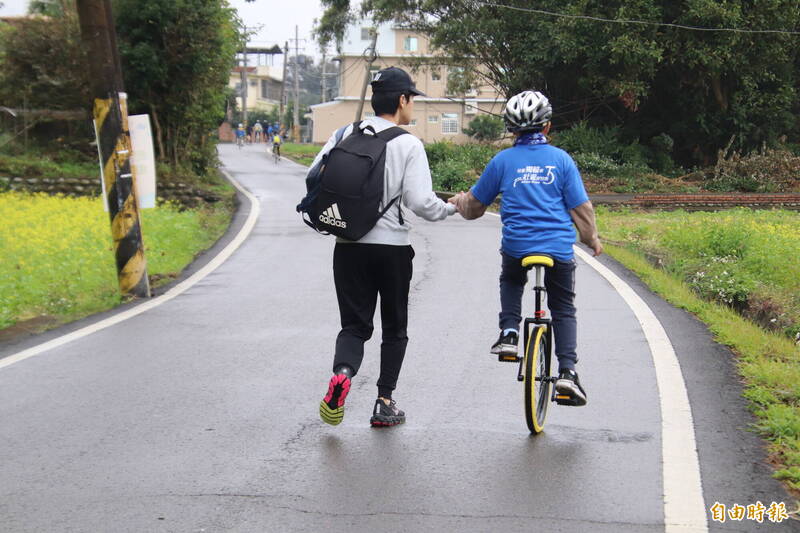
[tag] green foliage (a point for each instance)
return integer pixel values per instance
(583, 138)
(301, 153)
(457, 167)
(597, 165)
(699, 88)
(62, 164)
(49, 8)
(50, 71)
(740, 257)
(485, 128)
(177, 58)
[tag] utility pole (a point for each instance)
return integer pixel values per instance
(296, 126)
(283, 85)
(245, 87)
(114, 143)
(372, 57)
(323, 76)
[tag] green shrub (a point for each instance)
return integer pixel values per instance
(439, 151)
(595, 164)
(456, 167)
(723, 280)
(586, 139)
(485, 128)
(453, 175)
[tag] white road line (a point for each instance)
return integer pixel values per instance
(155, 302)
(684, 507)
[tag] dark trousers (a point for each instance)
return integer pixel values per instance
(361, 273)
(560, 284)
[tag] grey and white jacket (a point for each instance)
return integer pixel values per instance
(408, 176)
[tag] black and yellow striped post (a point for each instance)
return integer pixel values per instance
(114, 144)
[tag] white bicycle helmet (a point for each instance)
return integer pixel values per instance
(526, 111)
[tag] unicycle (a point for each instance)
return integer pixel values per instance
(534, 365)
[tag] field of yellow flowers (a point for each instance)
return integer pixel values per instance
(743, 258)
(57, 258)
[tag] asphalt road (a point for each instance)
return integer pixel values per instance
(200, 414)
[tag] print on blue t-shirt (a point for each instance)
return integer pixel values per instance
(539, 184)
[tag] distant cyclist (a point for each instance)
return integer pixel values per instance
(276, 144)
(240, 133)
(543, 195)
(258, 131)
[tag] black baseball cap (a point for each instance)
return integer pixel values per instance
(394, 80)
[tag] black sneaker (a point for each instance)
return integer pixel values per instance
(569, 390)
(506, 344)
(386, 415)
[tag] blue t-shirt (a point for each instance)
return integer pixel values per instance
(540, 184)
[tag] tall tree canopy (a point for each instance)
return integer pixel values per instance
(177, 58)
(702, 88)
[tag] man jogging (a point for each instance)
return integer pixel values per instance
(379, 264)
(543, 195)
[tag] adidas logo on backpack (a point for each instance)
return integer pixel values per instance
(349, 179)
(332, 217)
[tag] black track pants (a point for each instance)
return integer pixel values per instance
(361, 273)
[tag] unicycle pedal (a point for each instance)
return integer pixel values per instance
(565, 399)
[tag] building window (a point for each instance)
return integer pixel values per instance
(365, 36)
(413, 122)
(436, 74)
(253, 83)
(433, 119)
(449, 122)
(369, 114)
(265, 89)
(238, 88)
(410, 44)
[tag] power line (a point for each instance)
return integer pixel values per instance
(631, 21)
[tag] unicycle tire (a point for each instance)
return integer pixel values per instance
(537, 371)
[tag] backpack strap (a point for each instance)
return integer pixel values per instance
(339, 135)
(387, 135)
(390, 133)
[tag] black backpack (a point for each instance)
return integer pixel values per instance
(346, 188)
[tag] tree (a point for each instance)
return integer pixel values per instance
(485, 128)
(50, 70)
(50, 8)
(701, 88)
(177, 57)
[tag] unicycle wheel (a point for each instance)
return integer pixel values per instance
(537, 377)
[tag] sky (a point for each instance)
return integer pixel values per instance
(277, 19)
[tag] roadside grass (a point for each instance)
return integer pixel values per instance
(44, 165)
(300, 153)
(57, 252)
(740, 257)
(768, 361)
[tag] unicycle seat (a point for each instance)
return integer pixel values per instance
(533, 260)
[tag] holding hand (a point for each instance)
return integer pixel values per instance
(467, 205)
